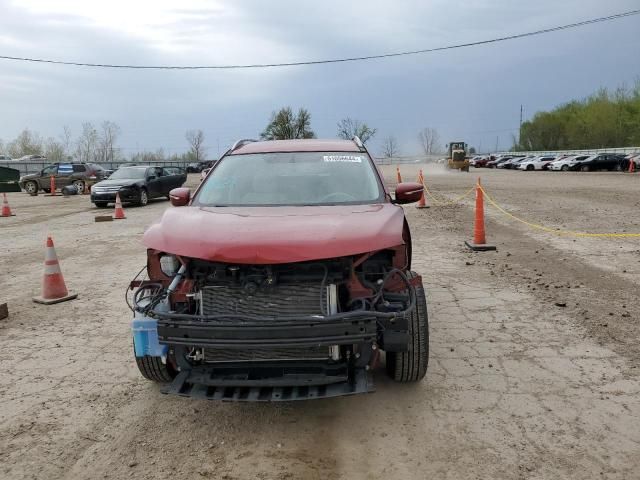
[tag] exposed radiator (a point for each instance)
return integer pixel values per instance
(254, 354)
(282, 299)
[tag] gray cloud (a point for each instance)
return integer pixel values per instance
(473, 94)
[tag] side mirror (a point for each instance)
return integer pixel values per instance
(180, 196)
(408, 192)
(151, 177)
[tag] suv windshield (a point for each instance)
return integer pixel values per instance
(127, 173)
(293, 178)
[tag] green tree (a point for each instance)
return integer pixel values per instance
(604, 119)
(285, 125)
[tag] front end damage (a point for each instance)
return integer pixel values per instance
(282, 332)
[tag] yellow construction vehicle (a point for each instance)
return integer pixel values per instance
(458, 156)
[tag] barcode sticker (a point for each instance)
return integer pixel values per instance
(342, 158)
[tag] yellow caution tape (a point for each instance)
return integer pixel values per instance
(553, 230)
(444, 201)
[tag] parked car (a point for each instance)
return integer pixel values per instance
(537, 163)
(82, 175)
(281, 277)
(5, 158)
(564, 164)
(498, 161)
(137, 185)
(481, 162)
(631, 157)
(512, 162)
(474, 160)
(602, 161)
(32, 158)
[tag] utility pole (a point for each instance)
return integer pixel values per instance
(497, 139)
(520, 129)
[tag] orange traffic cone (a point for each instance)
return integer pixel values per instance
(6, 209)
(119, 213)
(54, 289)
(52, 186)
(422, 203)
(479, 240)
(398, 174)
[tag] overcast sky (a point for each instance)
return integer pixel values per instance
(472, 94)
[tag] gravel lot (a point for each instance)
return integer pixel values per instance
(518, 386)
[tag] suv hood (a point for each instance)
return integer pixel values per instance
(271, 235)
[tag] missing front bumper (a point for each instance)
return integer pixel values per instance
(205, 383)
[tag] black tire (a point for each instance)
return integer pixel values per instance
(564, 168)
(143, 198)
(530, 168)
(46, 190)
(80, 186)
(101, 204)
(411, 366)
(584, 168)
(31, 188)
(153, 369)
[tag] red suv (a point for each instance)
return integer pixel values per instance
(281, 278)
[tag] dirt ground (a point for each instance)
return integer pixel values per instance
(534, 367)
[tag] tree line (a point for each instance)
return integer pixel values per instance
(603, 120)
(99, 144)
(96, 145)
(286, 125)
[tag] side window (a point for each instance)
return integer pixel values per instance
(50, 170)
(79, 168)
(65, 169)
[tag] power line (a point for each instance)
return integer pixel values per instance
(334, 60)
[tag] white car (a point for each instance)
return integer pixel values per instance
(472, 162)
(635, 157)
(537, 163)
(566, 163)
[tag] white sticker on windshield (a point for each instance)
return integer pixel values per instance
(342, 158)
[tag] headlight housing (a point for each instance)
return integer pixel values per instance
(169, 264)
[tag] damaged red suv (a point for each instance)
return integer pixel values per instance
(282, 277)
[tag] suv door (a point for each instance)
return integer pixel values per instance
(64, 176)
(44, 180)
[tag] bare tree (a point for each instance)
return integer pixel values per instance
(390, 147)
(349, 128)
(430, 140)
(87, 144)
(196, 142)
(54, 150)
(27, 143)
(65, 140)
(108, 137)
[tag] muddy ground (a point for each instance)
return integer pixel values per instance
(534, 367)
